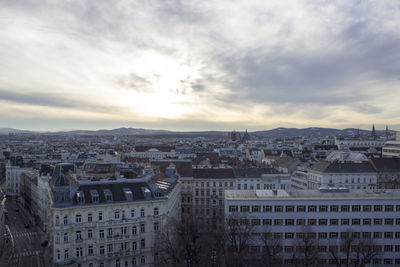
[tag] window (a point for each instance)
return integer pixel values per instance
(333, 235)
(78, 218)
(110, 248)
(278, 222)
(101, 250)
(334, 208)
(155, 212)
(116, 215)
(289, 222)
(312, 208)
(301, 208)
(322, 221)
(355, 221)
(388, 235)
(267, 222)
(345, 208)
(377, 207)
(65, 220)
(323, 208)
(388, 221)
(57, 238)
(89, 217)
(132, 213)
(322, 235)
(312, 221)
(378, 235)
(133, 230)
(367, 208)
(90, 234)
(356, 208)
(142, 228)
(134, 246)
(300, 222)
(110, 232)
(90, 250)
(333, 221)
(366, 221)
(155, 227)
(143, 260)
(255, 208)
(66, 238)
(100, 216)
(289, 208)
(142, 243)
(66, 254)
(244, 208)
(133, 261)
(233, 208)
(58, 254)
(57, 220)
(142, 212)
(79, 252)
(101, 234)
(267, 208)
(389, 208)
(377, 221)
(78, 235)
(344, 221)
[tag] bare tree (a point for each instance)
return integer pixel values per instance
(306, 253)
(271, 254)
(354, 251)
(238, 238)
(182, 243)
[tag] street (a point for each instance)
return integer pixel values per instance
(24, 244)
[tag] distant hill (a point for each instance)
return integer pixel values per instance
(278, 132)
(313, 131)
(16, 131)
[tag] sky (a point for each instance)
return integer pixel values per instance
(199, 65)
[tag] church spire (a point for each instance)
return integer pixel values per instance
(373, 133)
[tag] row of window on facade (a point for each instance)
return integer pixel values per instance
(79, 253)
(314, 208)
(110, 248)
(333, 235)
(258, 186)
(111, 232)
(345, 221)
(214, 184)
(117, 215)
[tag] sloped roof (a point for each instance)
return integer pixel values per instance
(214, 173)
(383, 164)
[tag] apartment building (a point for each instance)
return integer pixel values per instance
(261, 178)
(326, 216)
(388, 171)
(351, 175)
(109, 222)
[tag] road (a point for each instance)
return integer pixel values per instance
(24, 246)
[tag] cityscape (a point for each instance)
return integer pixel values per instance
(201, 199)
(199, 133)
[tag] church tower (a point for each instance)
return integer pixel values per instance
(373, 133)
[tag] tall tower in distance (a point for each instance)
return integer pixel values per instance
(373, 133)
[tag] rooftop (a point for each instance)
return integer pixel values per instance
(310, 194)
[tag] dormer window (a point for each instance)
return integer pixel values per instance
(108, 194)
(128, 194)
(80, 197)
(95, 196)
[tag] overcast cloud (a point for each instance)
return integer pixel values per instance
(199, 65)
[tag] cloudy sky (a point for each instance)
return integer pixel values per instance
(199, 65)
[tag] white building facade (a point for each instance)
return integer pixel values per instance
(328, 216)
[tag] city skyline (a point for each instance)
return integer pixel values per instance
(189, 66)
